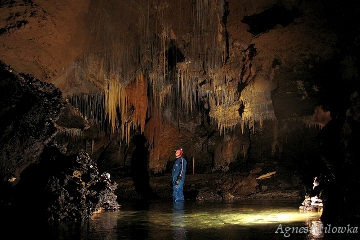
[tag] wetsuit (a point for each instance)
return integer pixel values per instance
(178, 178)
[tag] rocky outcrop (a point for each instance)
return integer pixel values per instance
(28, 110)
(37, 174)
(65, 187)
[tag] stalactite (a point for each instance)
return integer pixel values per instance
(73, 132)
(112, 66)
(114, 69)
(153, 131)
(136, 97)
(242, 123)
(114, 99)
(163, 42)
(225, 104)
(91, 107)
(187, 87)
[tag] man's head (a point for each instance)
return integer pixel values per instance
(322, 114)
(178, 153)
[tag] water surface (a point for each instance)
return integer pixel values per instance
(250, 219)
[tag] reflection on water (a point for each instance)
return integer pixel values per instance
(251, 219)
(178, 221)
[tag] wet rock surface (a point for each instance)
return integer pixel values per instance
(66, 187)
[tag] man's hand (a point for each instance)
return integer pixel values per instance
(177, 182)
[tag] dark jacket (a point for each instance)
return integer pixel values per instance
(179, 169)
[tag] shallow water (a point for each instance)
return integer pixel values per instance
(250, 219)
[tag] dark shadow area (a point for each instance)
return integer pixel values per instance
(139, 168)
(267, 20)
(173, 55)
(191, 194)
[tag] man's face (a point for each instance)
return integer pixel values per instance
(177, 153)
(320, 116)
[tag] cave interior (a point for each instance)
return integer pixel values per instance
(232, 83)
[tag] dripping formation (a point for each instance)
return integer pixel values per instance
(138, 81)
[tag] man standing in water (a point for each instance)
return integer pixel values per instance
(329, 137)
(329, 141)
(178, 176)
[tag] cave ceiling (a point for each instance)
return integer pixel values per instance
(241, 62)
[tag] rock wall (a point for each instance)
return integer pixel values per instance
(29, 108)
